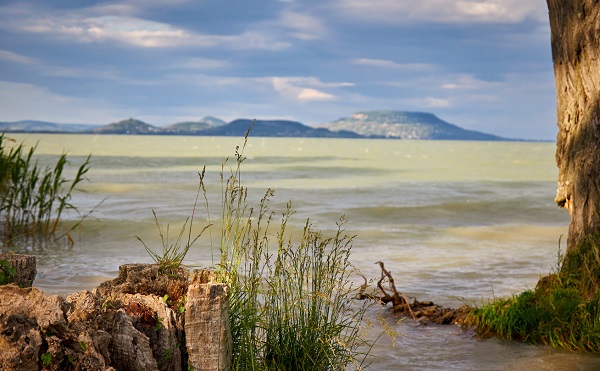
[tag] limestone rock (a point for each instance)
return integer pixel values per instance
(171, 324)
(130, 348)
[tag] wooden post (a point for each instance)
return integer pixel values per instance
(25, 266)
(207, 328)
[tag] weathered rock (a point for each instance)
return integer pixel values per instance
(207, 331)
(20, 342)
(26, 316)
(131, 349)
(25, 266)
(148, 279)
(32, 303)
(114, 327)
(162, 329)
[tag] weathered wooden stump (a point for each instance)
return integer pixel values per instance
(26, 268)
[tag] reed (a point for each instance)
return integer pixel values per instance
(563, 310)
(33, 198)
(291, 303)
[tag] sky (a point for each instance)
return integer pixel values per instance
(483, 65)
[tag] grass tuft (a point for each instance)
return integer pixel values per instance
(563, 310)
(174, 252)
(291, 299)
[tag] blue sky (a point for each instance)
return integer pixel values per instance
(481, 64)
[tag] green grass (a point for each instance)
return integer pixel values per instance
(562, 311)
(174, 252)
(33, 198)
(291, 299)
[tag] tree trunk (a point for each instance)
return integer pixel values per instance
(575, 29)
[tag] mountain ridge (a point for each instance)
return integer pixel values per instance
(389, 124)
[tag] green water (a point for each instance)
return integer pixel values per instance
(453, 221)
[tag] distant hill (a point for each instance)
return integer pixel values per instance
(34, 126)
(365, 124)
(131, 127)
(275, 128)
(188, 127)
(213, 121)
(405, 125)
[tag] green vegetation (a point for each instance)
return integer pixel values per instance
(562, 311)
(173, 252)
(7, 272)
(46, 359)
(34, 198)
(291, 305)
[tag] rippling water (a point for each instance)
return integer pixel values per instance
(454, 221)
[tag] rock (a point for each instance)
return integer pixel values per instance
(173, 323)
(131, 349)
(147, 279)
(163, 328)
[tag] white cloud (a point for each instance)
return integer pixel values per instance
(445, 11)
(384, 63)
(432, 102)
(140, 32)
(308, 94)
(16, 58)
(304, 26)
(304, 89)
(468, 82)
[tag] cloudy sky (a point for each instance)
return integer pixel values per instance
(481, 64)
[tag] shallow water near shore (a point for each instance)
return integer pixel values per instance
(455, 222)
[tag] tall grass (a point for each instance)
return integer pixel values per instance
(34, 198)
(563, 310)
(291, 299)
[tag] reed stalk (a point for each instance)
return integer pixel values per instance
(33, 198)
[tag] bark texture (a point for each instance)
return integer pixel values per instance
(207, 329)
(26, 268)
(575, 29)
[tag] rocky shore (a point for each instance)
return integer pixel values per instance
(144, 319)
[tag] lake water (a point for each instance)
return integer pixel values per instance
(454, 221)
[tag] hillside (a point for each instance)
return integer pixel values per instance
(129, 126)
(365, 124)
(275, 128)
(188, 127)
(34, 126)
(405, 125)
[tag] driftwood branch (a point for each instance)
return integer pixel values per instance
(423, 312)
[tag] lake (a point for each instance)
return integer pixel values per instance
(455, 222)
